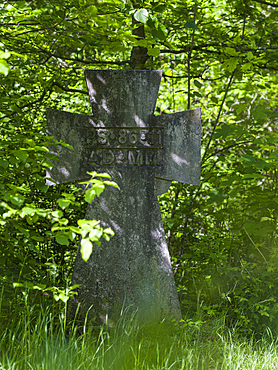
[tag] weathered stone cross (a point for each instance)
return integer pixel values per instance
(143, 153)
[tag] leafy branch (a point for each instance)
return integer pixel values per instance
(90, 230)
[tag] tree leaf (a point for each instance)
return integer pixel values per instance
(95, 234)
(231, 64)
(231, 51)
(4, 163)
(4, 55)
(198, 84)
(98, 189)
(191, 25)
(4, 67)
(90, 195)
(111, 183)
(57, 214)
(108, 230)
(61, 239)
(61, 296)
(95, 174)
(41, 186)
(158, 33)
(47, 164)
(63, 203)
(141, 15)
(71, 235)
(86, 249)
(28, 211)
(21, 154)
(155, 52)
(17, 199)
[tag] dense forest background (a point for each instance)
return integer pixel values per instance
(219, 55)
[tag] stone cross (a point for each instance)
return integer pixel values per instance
(143, 153)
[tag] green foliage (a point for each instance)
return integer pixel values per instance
(221, 56)
(24, 221)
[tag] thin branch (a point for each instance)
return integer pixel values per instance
(219, 113)
(212, 79)
(228, 147)
(37, 100)
(214, 44)
(266, 3)
(33, 30)
(19, 24)
(268, 67)
(124, 62)
(195, 76)
(185, 76)
(30, 104)
(42, 96)
(189, 60)
(70, 90)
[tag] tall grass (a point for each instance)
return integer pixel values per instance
(35, 338)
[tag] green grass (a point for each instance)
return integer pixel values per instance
(35, 338)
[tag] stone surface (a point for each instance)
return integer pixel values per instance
(143, 154)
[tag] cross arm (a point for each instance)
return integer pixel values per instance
(70, 128)
(182, 140)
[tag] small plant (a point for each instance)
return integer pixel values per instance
(90, 230)
(63, 233)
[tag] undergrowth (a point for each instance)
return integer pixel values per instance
(35, 337)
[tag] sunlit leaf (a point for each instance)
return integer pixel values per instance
(141, 15)
(86, 249)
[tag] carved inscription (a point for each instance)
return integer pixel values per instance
(128, 146)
